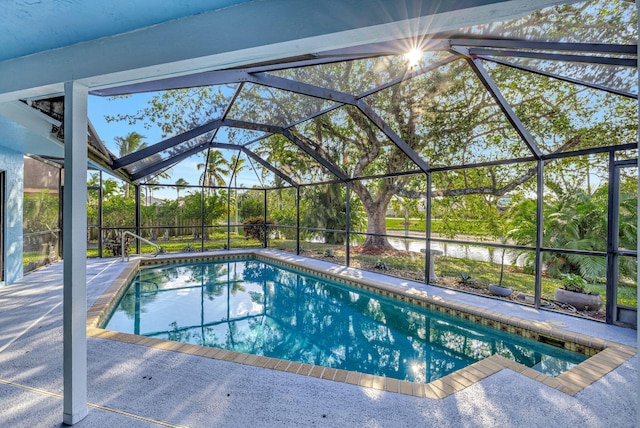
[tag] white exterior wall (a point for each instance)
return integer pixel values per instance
(13, 165)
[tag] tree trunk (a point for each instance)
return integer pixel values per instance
(376, 218)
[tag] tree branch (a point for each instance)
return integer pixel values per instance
(493, 190)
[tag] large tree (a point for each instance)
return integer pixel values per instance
(449, 118)
(446, 115)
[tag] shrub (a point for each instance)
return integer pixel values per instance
(254, 228)
(466, 278)
(251, 208)
(380, 265)
(572, 282)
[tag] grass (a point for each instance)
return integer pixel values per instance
(30, 260)
(177, 245)
(418, 225)
(484, 273)
(463, 227)
(410, 266)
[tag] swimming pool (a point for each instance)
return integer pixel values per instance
(255, 307)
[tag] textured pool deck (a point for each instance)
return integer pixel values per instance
(135, 385)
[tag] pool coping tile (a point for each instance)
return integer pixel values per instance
(604, 356)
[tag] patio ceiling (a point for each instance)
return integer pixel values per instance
(56, 23)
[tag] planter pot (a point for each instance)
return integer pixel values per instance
(497, 290)
(580, 301)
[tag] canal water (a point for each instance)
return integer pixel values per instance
(471, 252)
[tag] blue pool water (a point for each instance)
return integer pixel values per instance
(260, 308)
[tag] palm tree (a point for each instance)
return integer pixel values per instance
(151, 184)
(109, 187)
(181, 183)
(215, 169)
(574, 219)
(236, 165)
(130, 143)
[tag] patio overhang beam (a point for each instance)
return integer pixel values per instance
(166, 144)
(399, 47)
(550, 46)
(218, 77)
(311, 61)
(228, 107)
(168, 162)
(590, 151)
(392, 47)
(270, 167)
(98, 145)
(343, 98)
(301, 88)
(315, 155)
(395, 138)
(253, 126)
(188, 135)
(492, 88)
(561, 78)
(297, 122)
(404, 77)
(590, 59)
(255, 157)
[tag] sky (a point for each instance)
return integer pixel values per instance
(101, 107)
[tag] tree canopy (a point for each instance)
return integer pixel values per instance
(443, 111)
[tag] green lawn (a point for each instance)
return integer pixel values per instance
(449, 268)
(464, 227)
(410, 266)
(414, 224)
(182, 245)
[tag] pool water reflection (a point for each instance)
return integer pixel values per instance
(259, 308)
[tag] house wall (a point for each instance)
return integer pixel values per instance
(13, 165)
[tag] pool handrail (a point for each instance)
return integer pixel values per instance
(140, 238)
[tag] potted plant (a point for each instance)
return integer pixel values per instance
(498, 289)
(574, 293)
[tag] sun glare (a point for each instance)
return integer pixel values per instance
(413, 57)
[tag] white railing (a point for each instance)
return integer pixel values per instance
(140, 238)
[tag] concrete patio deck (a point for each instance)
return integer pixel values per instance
(136, 386)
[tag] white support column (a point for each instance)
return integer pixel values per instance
(75, 252)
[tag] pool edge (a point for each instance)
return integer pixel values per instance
(604, 356)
